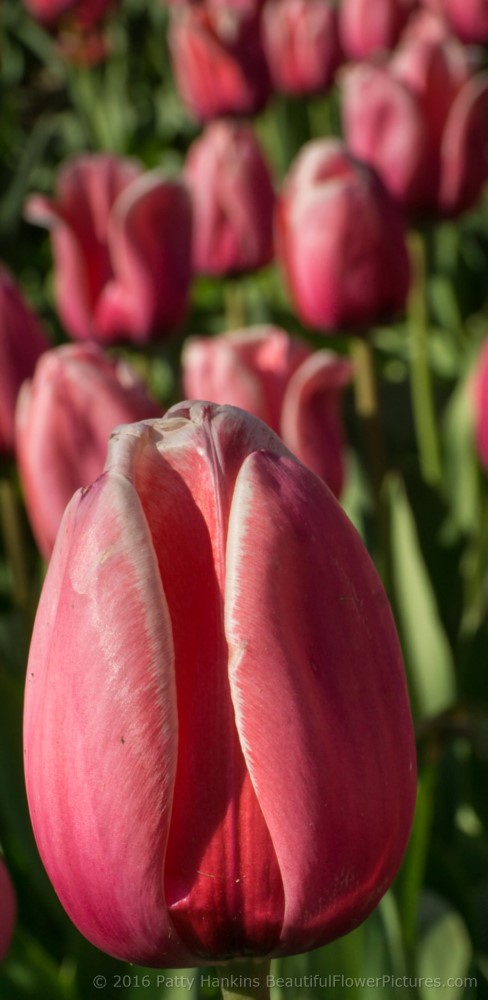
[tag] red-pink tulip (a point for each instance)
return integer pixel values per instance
(22, 342)
(8, 909)
(479, 388)
(122, 247)
(279, 379)
(64, 418)
(419, 120)
(218, 744)
(341, 240)
(85, 12)
(301, 44)
(233, 200)
(218, 61)
(368, 26)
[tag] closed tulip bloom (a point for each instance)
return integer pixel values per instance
(419, 120)
(278, 378)
(219, 751)
(233, 201)
(341, 240)
(8, 909)
(122, 248)
(301, 43)
(64, 418)
(22, 342)
(85, 12)
(479, 389)
(368, 26)
(468, 19)
(218, 61)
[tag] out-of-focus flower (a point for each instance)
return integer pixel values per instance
(301, 43)
(22, 341)
(233, 200)
(368, 26)
(479, 389)
(278, 378)
(341, 240)
(420, 120)
(64, 418)
(86, 13)
(468, 19)
(243, 786)
(8, 909)
(218, 61)
(122, 248)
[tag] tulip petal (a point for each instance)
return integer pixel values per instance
(312, 655)
(463, 156)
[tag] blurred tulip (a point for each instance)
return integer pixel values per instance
(368, 26)
(341, 240)
(22, 341)
(468, 19)
(479, 387)
(419, 120)
(279, 379)
(86, 12)
(218, 61)
(8, 909)
(214, 688)
(122, 248)
(233, 201)
(301, 44)
(64, 418)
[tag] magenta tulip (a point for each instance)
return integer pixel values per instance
(419, 120)
(218, 744)
(341, 240)
(122, 248)
(301, 44)
(64, 418)
(369, 26)
(22, 341)
(279, 379)
(233, 200)
(218, 61)
(8, 909)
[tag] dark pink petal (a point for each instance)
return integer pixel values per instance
(463, 150)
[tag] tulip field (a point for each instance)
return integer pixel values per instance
(243, 499)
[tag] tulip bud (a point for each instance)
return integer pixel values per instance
(218, 61)
(22, 341)
(218, 743)
(468, 19)
(368, 26)
(122, 248)
(64, 417)
(8, 909)
(233, 201)
(279, 379)
(341, 240)
(301, 44)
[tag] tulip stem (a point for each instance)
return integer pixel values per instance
(420, 375)
(13, 537)
(245, 979)
(235, 310)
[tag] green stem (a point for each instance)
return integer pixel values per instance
(14, 541)
(420, 375)
(245, 978)
(235, 308)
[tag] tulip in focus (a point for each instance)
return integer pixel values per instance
(369, 26)
(233, 200)
(419, 119)
(218, 743)
(297, 392)
(301, 43)
(218, 60)
(8, 909)
(122, 248)
(64, 418)
(22, 341)
(341, 240)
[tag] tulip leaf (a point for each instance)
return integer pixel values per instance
(427, 652)
(445, 952)
(461, 465)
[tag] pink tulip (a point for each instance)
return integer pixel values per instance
(419, 120)
(279, 379)
(479, 388)
(122, 247)
(301, 44)
(233, 200)
(218, 61)
(219, 750)
(368, 26)
(22, 341)
(341, 240)
(8, 909)
(468, 19)
(64, 418)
